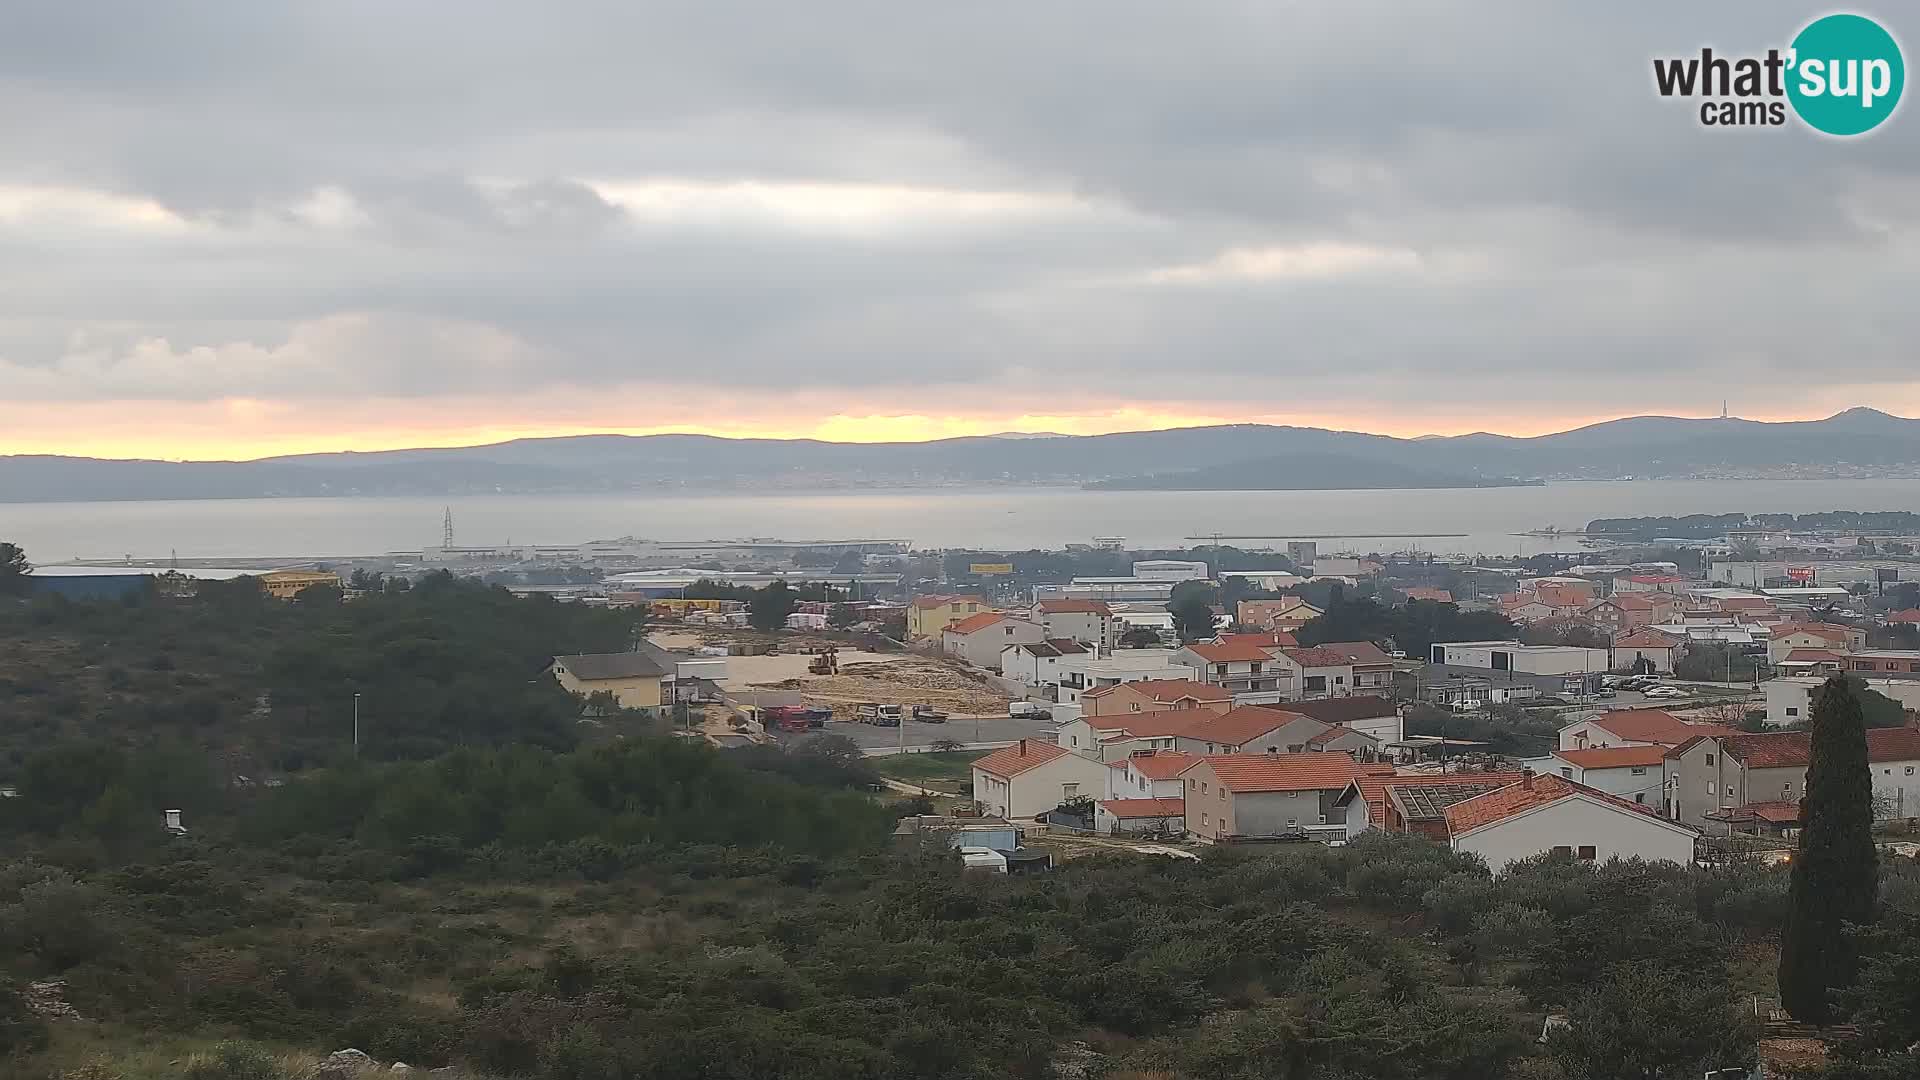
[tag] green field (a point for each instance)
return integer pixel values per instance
(929, 770)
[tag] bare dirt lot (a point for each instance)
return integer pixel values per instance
(899, 678)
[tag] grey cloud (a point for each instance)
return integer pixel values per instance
(1611, 239)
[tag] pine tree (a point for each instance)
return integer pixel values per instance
(1835, 875)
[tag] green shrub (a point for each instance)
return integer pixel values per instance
(234, 1060)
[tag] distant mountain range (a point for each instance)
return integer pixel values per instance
(1858, 442)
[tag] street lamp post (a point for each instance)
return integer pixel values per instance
(356, 726)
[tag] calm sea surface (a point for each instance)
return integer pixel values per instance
(1012, 518)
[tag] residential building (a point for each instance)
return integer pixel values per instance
(1633, 727)
(1412, 803)
(1361, 745)
(1119, 817)
(1527, 659)
(1904, 617)
(1648, 583)
(1037, 663)
(1249, 729)
(1312, 672)
(979, 639)
(1634, 651)
(1465, 693)
(1884, 663)
(1804, 663)
(1148, 774)
(1369, 671)
(633, 678)
(1240, 669)
(1175, 570)
(286, 584)
(1257, 796)
(1422, 592)
(1291, 611)
(1709, 776)
(1114, 738)
(1031, 777)
(1790, 636)
(1343, 566)
(1264, 639)
(927, 616)
(1087, 672)
(1623, 613)
(1371, 715)
(1542, 814)
(1154, 695)
(1089, 622)
(1790, 697)
(1634, 773)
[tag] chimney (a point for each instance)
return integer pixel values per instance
(1023, 748)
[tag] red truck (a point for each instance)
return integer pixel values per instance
(785, 718)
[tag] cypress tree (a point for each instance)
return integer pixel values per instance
(1835, 873)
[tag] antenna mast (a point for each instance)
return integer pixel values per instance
(446, 529)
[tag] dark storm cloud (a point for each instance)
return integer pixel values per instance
(1274, 199)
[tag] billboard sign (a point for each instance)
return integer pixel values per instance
(1800, 573)
(986, 568)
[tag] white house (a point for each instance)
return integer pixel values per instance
(1037, 663)
(1089, 622)
(979, 639)
(1543, 814)
(1086, 672)
(1250, 729)
(1634, 773)
(1247, 671)
(1528, 659)
(1031, 777)
(1790, 698)
(1148, 774)
(1633, 727)
(1649, 646)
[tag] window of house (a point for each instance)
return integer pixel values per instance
(1223, 794)
(1909, 770)
(1291, 822)
(1792, 711)
(1640, 797)
(1709, 787)
(1587, 853)
(1786, 788)
(1136, 706)
(1203, 817)
(1203, 788)
(1562, 849)
(1273, 749)
(1566, 772)
(1709, 759)
(1638, 770)
(1339, 680)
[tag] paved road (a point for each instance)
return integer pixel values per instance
(987, 729)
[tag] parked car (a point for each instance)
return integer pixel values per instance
(1666, 692)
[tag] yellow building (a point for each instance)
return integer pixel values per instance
(928, 615)
(634, 679)
(286, 584)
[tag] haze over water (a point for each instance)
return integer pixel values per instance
(1011, 518)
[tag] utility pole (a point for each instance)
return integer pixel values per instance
(356, 727)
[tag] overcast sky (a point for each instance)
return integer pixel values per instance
(238, 229)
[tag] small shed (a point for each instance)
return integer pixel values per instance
(984, 860)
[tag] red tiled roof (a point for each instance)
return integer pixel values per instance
(1160, 764)
(1812, 656)
(1358, 652)
(1066, 607)
(1149, 725)
(1421, 592)
(1332, 733)
(1654, 726)
(1627, 602)
(1828, 631)
(1909, 615)
(1144, 808)
(1535, 790)
(1248, 773)
(974, 623)
(1166, 690)
(1656, 579)
(1339, 710)
(1645, 639)
(1613, 757)
(1319, 656)
(1230, 652)
(1010, 761)
(1271, 639)
(1235, 727)
(1893, 744)
(1779, 813)
(1373, 787)
(1794, 749)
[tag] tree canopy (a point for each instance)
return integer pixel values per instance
(1413, 626)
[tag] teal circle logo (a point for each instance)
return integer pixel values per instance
(1846, 74)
